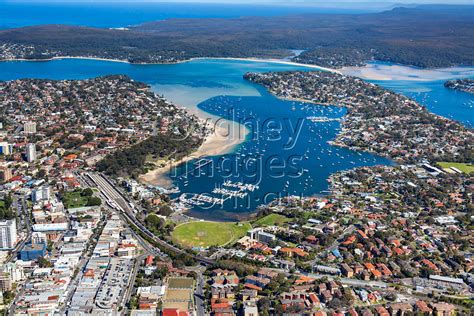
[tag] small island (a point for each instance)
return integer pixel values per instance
(465, 85)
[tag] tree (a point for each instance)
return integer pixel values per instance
(160, 273)
(44, 263)
(5, 208)
(8, 296)
(165, 210)
(87, 192)
(335, 303)
(154, 223)
(263, 305)
(42, 173)
(133, 304)
(50, 245)
(348, 298)
(8, 201)
(94, 201)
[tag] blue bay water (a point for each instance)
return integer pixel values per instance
(296, 163)
(426, 86)
(453, 104)
(277, 165)
(284, 154)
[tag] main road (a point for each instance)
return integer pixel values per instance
(24, 218)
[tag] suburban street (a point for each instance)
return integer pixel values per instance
(199, 295)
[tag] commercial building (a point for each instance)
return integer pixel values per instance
(38, 238)
(14, 270)
(51, 227)
(6, 148)
(33, 251)
(8, 235)
(31, 152)
(40, 194)
(5, 174)
(5, 282)
(29, 127)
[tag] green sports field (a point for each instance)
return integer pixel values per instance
(206, 234)
(74, 199)
(464, 167)
(180, 283)
(272, 220)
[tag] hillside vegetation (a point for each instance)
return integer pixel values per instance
(426, 36)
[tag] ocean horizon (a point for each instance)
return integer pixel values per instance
(126, 14)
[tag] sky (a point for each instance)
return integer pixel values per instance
(324, 3)
(334, 3)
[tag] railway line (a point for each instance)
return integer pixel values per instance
(116, 200)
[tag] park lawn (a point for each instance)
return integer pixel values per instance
(207, 234)
(74, 200)
(272, 220)
(464, 167)
(180, 283)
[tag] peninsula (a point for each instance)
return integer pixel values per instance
(408, 36)
(378, 120)
(112, 123)
(465, 85)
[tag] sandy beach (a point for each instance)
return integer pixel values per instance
(385, 72)
(267, 60)
(257, 60)
(225, 135)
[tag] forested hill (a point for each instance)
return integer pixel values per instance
(425, 36)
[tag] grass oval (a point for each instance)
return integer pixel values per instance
(206, 234)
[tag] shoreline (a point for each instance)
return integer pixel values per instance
(347, 116)
(67, 57)
(399, 72)
(367, 72)
(251, 59)
(220, 141)
(216, 142)
(268, 60)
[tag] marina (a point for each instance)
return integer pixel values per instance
(272, 162)
(219, 194)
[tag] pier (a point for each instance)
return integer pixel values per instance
(197, 165)
(317, 119)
